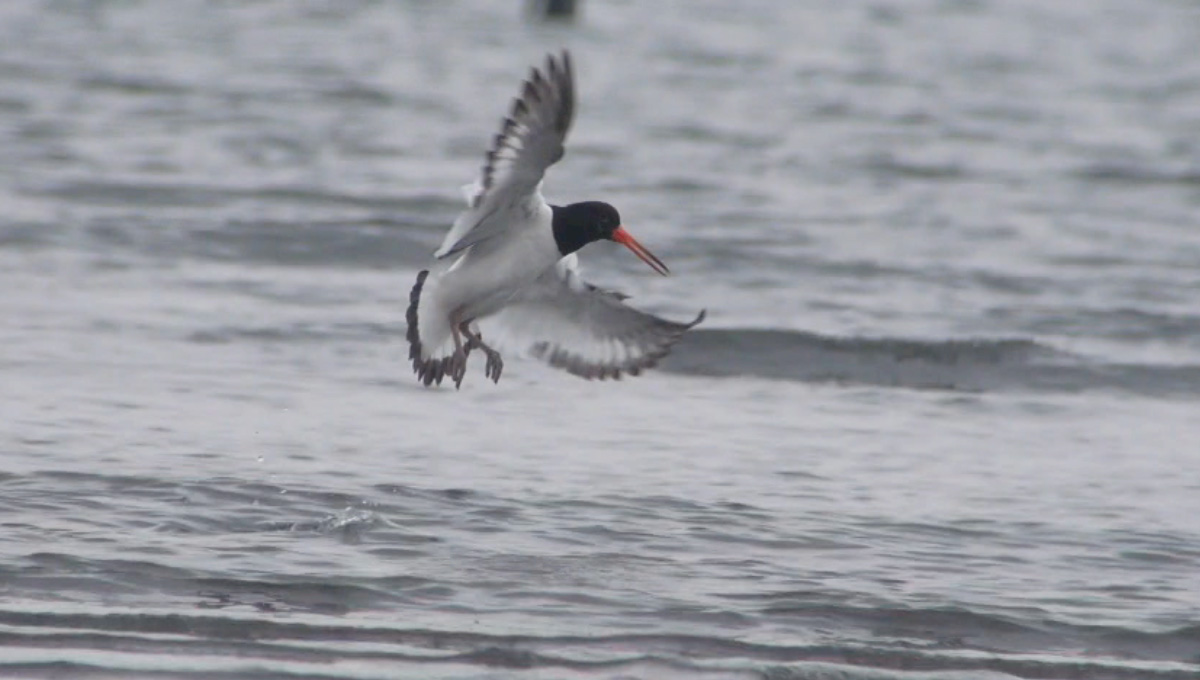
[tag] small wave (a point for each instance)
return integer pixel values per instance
(810, 357)
(1135, 174)
(1118, 323)
(371, 243)
(40, 641)
(194, 195)
(134, 85)
(974, 365)
(887, 165)
(299, 332)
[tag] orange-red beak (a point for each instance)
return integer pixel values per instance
(626, 239)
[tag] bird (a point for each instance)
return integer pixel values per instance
(510, 260)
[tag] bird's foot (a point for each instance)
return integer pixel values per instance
(495, 363)
(456, 367)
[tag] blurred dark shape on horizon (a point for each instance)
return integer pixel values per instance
(553, 10)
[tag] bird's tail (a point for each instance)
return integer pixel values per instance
(428, 332)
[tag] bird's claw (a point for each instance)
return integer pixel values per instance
(457, 369)
(495, 364)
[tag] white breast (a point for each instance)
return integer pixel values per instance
(482, 281)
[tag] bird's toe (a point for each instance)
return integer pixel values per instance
(495, 365)
(456, 367)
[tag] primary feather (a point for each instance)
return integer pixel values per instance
(585, 330)
(530, 140)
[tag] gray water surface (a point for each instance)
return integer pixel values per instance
(941, 421)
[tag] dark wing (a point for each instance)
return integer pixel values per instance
(584, 330)
(530, 140)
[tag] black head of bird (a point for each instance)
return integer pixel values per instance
(579, 224)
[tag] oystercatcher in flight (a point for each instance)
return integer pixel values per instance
(510, 258)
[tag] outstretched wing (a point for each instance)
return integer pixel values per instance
(530, 140)
(585, 330)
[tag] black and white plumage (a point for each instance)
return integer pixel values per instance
(509, 262)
